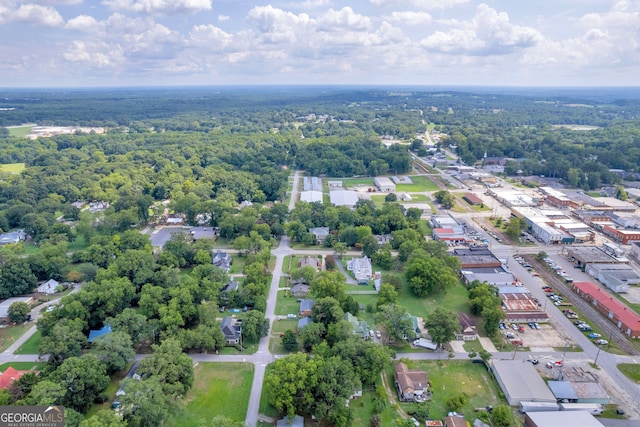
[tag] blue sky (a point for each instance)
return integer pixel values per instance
(68, 43)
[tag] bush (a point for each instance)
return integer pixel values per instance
(457, 402)
(101, 398)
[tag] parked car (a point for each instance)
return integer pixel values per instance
(549, 365)
(593, 335)
(601, 342)
(534, 361)
(536, 325)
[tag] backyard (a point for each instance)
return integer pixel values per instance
(218, 389)
(452, 377)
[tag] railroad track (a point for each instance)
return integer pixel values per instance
(585, 308)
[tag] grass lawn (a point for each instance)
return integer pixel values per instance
(631, 371)
(448, 378)
(286, 305)
(237, 264)
(419, 198)
(218, 389)
(249, 348)
(474, 345)
(420, 184)
(378, 200)
(12, 167)
(423, 226)
(9, 334)
(23, 366)
(352, 182)
(284, 282)
(456, 300)
(281, 326)
(20, 130)
(363, 411)
(32, 345)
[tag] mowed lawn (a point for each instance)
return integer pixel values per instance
(219, 389)
(32, 345)
(12, 167)
(449, 378)
(420, 184)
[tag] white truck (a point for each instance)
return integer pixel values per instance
(425, 343)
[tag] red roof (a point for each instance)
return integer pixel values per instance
(9, 376)
(443, 230)
(627, 316)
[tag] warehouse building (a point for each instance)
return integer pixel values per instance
(520, 381)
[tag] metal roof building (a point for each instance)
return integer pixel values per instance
(563, 391)
(562, 418)
(520, 381)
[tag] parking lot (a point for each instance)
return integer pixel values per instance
(545, 339)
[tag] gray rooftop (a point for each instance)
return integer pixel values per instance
(564, 419)
(522, 381)
(562, 390)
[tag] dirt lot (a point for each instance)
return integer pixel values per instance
(545, 339)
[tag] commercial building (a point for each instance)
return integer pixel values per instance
(616, 277)
(347, 198)
(625, 319)
(562, 418)
(557, 199)
(4, 306)
(311, 196)
(476, 258)
(521, 307)
(621, 235)
(311, 183)
(581, 256)
(384, 184)
(520, 381)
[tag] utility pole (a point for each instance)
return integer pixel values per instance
(595, 362)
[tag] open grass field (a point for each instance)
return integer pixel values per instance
(20, 130)
(456, 300)
(420, 184)
(631, 371)
(419, 198)
(352, 182)
(12, 167)
(363, 410)
(10, 334)
(448, 378)
(218, 389)
(32, 345)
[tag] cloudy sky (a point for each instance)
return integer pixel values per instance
(46, 43)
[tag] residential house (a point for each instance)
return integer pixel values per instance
(174, 219)
(12, 237)
(131, 375)
(360, 327)
(320, 233)
(4, 306)
(222, 260)
(412, 384)
(49, 287)
(95, 207)
(9, 376)
(468, 330)
(228, 291)
(306, 305)
(299, 288)
(97, 333)
(309, 262)
(361, 269)
(377, 280)
(232, 331)
(303, 322)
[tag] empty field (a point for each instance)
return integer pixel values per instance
(12, 167)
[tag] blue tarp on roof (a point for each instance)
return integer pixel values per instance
(97, 333)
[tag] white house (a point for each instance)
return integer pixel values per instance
(49, 287)
(361, 269)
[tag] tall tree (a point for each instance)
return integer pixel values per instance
(443, 325)
(83, 378)
(115, 350)
(172, 368)
(396, 322)
(146, 403)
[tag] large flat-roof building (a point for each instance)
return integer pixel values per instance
(521, 307)
(520, 381)
(562, 418)
(627, 320)
(616, 277)
(347, 198)
(591, 255)
(311, 183)
(384, 184)
(311, 196)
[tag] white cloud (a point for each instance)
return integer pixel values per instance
(37, 15)
(224, 18)
(61, 2)
(95, 55)
(82, 23)
(159, 7)
(210, 36)
(343, 19)
(410, 18)
(420, 4)
(488, 33)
